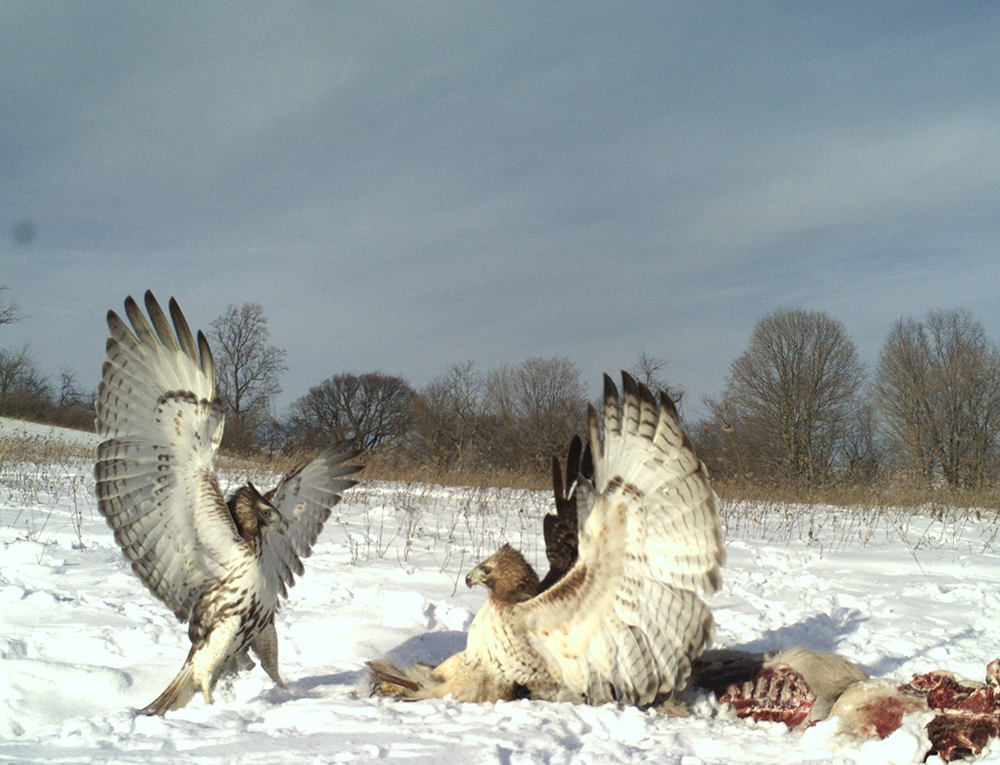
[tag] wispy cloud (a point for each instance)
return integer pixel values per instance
(408, 186)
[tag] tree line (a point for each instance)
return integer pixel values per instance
(27, 394)
(798, 406)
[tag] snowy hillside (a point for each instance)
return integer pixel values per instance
(82, 643)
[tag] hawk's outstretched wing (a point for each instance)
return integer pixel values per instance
(304, 499)
(561, 530)
(156, 485)
(627, 620)
(219, 565)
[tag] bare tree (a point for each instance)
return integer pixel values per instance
(9, 313)
(902, 393)
(789, 397)
(72, 407)
(371, 409)
(937, 387)
(69, 391)
(247, 369)
(649, 371)
(863, 452)
(728, 442)
(14, 368)
(24, 392)
(534, 410)
(448, 419)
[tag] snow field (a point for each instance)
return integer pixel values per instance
(82, 643)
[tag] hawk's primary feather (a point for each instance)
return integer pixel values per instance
(621, 615)
(220, 565)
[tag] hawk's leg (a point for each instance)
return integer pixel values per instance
(211, 656)
(265, 646)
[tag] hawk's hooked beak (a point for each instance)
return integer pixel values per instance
(279, 522)
(476, 576)
(272, 518)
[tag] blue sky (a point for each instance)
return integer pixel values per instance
(405, 186)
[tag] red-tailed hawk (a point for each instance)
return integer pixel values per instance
(219, 564)
(634, 544)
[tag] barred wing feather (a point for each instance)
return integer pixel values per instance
(628, 619)
(304, 498)
(156, 485)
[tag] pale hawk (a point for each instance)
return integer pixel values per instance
(635, 544)
(218, 564)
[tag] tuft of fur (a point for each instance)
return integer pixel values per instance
(875, 708)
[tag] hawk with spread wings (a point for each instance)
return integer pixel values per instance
(635, 542)
(218, 564)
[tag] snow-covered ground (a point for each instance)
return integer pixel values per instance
(82, 643)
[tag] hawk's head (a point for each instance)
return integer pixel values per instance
(507, 575)
(252, 512)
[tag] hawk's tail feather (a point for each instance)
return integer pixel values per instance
(180, 691)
